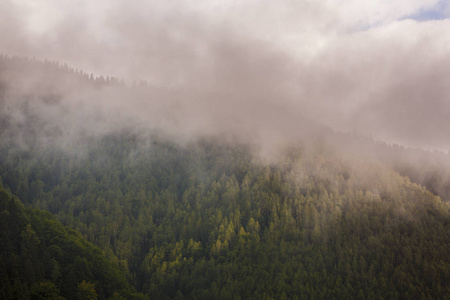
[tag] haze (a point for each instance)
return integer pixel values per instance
(371, 67)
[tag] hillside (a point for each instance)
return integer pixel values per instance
(41, 259)
(209, 217)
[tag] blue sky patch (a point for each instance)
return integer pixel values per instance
(439, 12)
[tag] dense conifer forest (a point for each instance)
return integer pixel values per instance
(131, 213)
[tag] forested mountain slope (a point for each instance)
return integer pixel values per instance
(207, 221)
(41, 259)
(209, 218)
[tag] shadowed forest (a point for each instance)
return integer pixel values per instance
(109, 191)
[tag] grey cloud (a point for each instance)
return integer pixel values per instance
(390, 81)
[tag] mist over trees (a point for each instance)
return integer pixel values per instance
(173, 200)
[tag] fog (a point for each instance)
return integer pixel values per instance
(269, 72)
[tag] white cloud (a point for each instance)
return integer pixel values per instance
(345, 61)
(388, 81)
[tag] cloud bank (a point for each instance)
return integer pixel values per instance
(366, 67)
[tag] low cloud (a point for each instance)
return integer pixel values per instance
(254, 67)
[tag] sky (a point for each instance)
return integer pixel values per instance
(376, 67)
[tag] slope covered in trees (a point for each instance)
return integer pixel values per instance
(208, 221)
(209, 218)
(42, 259)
